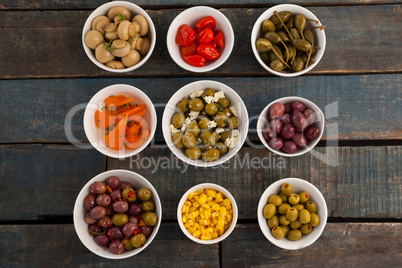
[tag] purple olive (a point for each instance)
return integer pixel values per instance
(113, 182)
(311, 133)
(95, 228)
(120, 206)
(115, 195)
(288, 131)
(105, 222)
(300, 140)
(276, 125)
(298, 106)
(116, 247)
(103, 200)
(288, 108)
(88, 219)
(133, 219)
(146, 230)
(126, 184)
(98, 188)
(109, 211)
(97, 212)
(289, 147)
(102, 240)
(89, 201)
(134, 210)
(129, 228)
(115, 233)
(277, 109)
(285, 118)
(276, 143)
(310, 115)
(298, 119)
(267, 133)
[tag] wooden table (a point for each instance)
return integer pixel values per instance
(44, 73)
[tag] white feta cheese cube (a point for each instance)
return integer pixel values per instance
(212, 124)
(231, 142)
(219, 95)
(196, 93)
(173, 130)
(209, 99)
(193, 115)
(235, 133)
(219, 130)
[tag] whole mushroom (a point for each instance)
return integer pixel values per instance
(115, 64)
(93, 38)
(145, 46)
(143, 24)
(111, 31)
(101, 20)
(123, 30)
(121, 48)
(102, 54)
(131, 59)
(119, 10)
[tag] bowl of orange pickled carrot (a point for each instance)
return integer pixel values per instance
(120, 121)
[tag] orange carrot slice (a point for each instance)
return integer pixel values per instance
(134, 110)
(134, 144)
(102, 120)
(115, 138)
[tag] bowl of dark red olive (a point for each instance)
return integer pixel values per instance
(290, 126)
(117, 214)
(288, 40)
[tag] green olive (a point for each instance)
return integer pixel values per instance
(178, 120)
(294, 235)
(203, 123)
(138, 240)
(283, 220)
(275, 199)
(301, 44)
(228, 112)
(193, 153)
(268, 26)
(194, 129)
(233, 122)
(188, 140)
(284, 15)
(304, 216)
(221, 119)
(196, 104)
(294, 199)
(215, 135)
(127, 244)
(287, 189)
(269, 211)
(278, 232)
(295, 224)
(263, 45)
(225, 135)
(311, 206)
(277, 65)
(211, 108)
(314, 219)
(208, 92)
(298, 207)
(144, 194)
(292, 214)
(129, 195)
(283, 208)
(210, 155)
(303, 197)
(150, 218)
(273, 222)
(285, 228)
(273, 37)
(207, 139)
(306, 229)
(177, 140)
(223, 149)
(183, 105)
(284, 197)
(119, 219)
(148, 206)
(224, 102)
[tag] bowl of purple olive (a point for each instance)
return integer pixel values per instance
(290, 126)
(117, 214)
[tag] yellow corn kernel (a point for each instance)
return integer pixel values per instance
(226, 202)
(221, 223)
(190, 196)
(218, 200)
(196, 198)
(203, 237)
(196, 204)
(215, 214)
(190, 222)
(218, 195)
(231, 212)
(229, 218)
(187, 203)
(207, 213)
(190, 230)
(197, 233)
(199, 191)
(221, 231)
(210, 193)
(192, 209)
(183, 219)
(202, 231)
(214, 235)
(198, 219)
(221, 218)
(201, 210)
(196, 225)
(215, 207)
(223, 211)
(219, 227)
(210, 198)
(202, 216)
(215, 222)
(187, 225)
(203, 222)
(210, 203)
(205, 206)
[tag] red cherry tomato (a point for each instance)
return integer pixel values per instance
(189, 49)
(194, 60)
(205, 36)
(219, 39)
(208, 51)
(206, 22)
(185, 35)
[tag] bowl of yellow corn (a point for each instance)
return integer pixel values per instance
(207, 213)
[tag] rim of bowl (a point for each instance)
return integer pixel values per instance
(79, 202)
(309, 104)
(262, 222)
(167, 135)
(226, 193)
(93, 105)
(266, 15)
(131, 6)
(171, 45)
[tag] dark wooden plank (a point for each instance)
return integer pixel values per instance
(25, 246)
(39, 116)
(340, 245)
(366, 183)
(82, 4)
(57, 51)
(43, 179)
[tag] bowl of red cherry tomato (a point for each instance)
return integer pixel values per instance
(200, 39)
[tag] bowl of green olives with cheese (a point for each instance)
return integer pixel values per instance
(205, 123)
(292, 213)
(288, 40)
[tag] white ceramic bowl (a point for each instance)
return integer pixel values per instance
(191, 16)
(320, 39)
(227, 194)
(185, 92)
(298, 185)
(95, 135)
(319, 123)
(134, 10)
(81, 227)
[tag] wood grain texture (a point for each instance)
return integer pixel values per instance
(35, 110)
(43, 179)
(24, 246)
(82, 4)
(340, 245)
(366, 183)
(56, 50)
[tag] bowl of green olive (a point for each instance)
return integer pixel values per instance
(288, 40)
(292, 213)
(205, 123)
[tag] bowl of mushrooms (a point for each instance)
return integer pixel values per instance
(119, 37)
